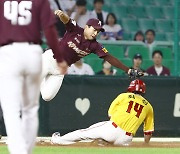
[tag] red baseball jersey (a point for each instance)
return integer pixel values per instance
(23, 20)
(74, 46)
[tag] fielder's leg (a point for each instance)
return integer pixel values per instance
(31, 92)
(11, 81)
(1, 120)
(50, 86)
(11, 112)
(51, 77)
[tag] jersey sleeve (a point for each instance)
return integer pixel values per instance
(46, 15)
(114, 105)
(149, 122)
(72, 26)
(99, 50)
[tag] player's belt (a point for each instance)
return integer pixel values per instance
(127, 133)
(10, 43)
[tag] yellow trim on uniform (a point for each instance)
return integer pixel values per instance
(105, 50)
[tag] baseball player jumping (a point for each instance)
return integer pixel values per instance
(127, 112)
(76, 43)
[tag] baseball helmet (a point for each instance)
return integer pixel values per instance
(137, 86)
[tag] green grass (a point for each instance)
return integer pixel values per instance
(100, 150)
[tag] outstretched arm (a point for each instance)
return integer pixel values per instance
(62, 16)
(115, 62)
(133, 73)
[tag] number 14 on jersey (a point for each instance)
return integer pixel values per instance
(137, 108)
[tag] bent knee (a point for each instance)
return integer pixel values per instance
(46, 96)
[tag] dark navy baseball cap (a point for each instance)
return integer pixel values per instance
(96, 24)
(136, 56)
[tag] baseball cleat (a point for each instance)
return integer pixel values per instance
(55, 137)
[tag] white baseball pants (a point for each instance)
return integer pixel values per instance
(20, 72)
(101, 130)
(51, 77)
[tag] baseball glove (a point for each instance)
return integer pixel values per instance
(134, 73)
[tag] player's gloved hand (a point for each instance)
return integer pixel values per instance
(134, 73)
(63, 66)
